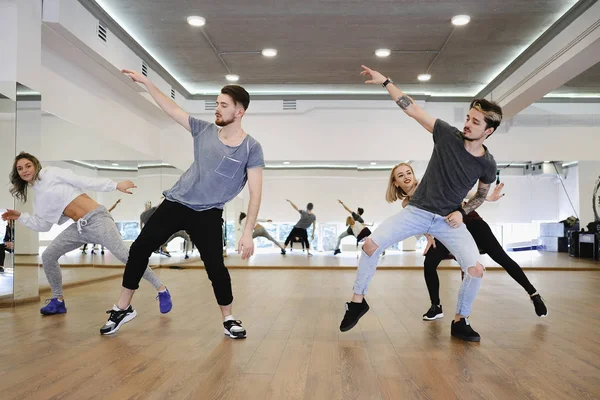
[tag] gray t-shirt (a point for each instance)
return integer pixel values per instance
(306, 220)
(451, 173)
(219, 172)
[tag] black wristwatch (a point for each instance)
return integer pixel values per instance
(387, 81)
(462, 211)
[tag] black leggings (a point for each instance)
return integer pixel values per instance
(486, 241)
(302, 234)
(206, 231)
(366, 232)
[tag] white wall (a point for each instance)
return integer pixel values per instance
(568, 208)
(527, 199)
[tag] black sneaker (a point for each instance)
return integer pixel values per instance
(336, 252)
(283, 252)
(434, 312)
(462, 330)
(354, 311)
(117, 318)
(540, 307)
(234, 329)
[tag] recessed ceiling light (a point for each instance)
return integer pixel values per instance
(373, 163)
(286, 163)
(232, 78)
(115, 164)
(424, 77)
(269, 52)
(195, 20)
(459, 20)
(383, 52)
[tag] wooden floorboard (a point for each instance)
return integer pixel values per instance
(294, 348)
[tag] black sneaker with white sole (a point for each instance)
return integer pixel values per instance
(434, 312)
(354, 311)
(462, 330)
(540, 307)
(117, 318)
(234, 329)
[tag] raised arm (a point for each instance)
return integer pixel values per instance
(347, 209)
(166, 103)
(255, 178)
(403, 101)
(114, 205)
(293, 205)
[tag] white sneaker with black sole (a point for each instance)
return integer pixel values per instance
(117, 318)
(234, 329)
(434, 312)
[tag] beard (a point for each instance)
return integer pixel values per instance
(223, 122)
(468, 139)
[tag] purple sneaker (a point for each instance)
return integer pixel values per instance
(53, 306)
(164, 301)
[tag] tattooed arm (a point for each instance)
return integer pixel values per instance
(403, 101)
(478, 199)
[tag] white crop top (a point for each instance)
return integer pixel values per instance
(54, 190)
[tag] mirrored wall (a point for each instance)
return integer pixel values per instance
(8, 110)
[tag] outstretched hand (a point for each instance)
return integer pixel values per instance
(376, 77)
(135, 76)
(496, 194)
(125, 186)
(10, 215)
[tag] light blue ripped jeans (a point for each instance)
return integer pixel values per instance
(414, 221)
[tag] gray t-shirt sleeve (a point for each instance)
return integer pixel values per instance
(441, 129)
(198, 126)
(489, 175)
(255, 156)
(357, 218)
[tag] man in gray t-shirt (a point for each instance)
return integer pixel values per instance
(459, 161)
(225, 158)
(300, 230)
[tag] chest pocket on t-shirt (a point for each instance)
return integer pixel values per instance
(228, 167)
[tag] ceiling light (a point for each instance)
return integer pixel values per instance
(194, 20)
(115, 164)
(373, 163)
(269, 52)
(232, 78)
(286, 163)
(383, 52)
(459, 20)
(424, 77)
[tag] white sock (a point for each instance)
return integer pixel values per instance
(229, 318)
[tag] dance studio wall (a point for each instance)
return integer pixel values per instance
(528, 198)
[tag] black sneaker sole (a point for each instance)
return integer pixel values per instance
(346, 329)
(123, 321)
(466, 338)
(437, 316)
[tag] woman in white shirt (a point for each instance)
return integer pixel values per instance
(58, 198)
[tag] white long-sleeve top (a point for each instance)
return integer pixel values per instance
(55, 189)
(357, 228)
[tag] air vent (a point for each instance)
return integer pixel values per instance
(210, 105)
(173, 93)
(289, 105)
(144, 68)
(102, 31)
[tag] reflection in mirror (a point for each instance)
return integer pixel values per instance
(28, 119)
(7, 153)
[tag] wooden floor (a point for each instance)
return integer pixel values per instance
(294, 349)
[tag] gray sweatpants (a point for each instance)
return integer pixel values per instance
(97, 226)
(263, 232)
